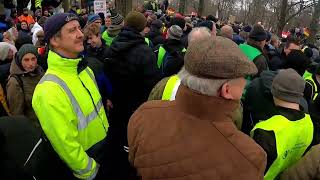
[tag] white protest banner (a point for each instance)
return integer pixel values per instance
(100, 6)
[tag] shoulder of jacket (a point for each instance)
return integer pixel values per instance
(251, 150)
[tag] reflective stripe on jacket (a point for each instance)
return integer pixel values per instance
(171, 88)
(310, 80)
(71, 114)
(292, 140)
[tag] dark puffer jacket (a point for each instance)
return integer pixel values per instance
(133, 72)
(95, 58)
(155, 36)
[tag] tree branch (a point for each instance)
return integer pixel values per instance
(298, 12)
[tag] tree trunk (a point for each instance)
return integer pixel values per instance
(182, 6)
(282, 17)
(66, 5)
(314, 25)
(123, 6)
(201, 7)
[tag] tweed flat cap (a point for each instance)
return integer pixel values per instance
(217, 58)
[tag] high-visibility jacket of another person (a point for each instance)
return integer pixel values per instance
(67, 101)
(292, 138)
(71, 113)
(288, 134)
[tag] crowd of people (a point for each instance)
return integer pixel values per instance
(152, 95)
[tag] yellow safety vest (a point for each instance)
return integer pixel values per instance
(292, 140)
(70, 110)
(313, 84)
(38, 4)
(108, 39)
(171, 88)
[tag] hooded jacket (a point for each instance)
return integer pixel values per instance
(20, 88)
(174, 58)
(155, 36)
(132, 70)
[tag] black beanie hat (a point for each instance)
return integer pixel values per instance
(207, 24)
(258, 33)
(55, 23)
(178, 21)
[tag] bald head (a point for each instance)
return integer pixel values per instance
(227, 32)
(199, 33)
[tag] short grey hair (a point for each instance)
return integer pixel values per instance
(199, 33)
(209, 87)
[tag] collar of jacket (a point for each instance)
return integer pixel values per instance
(61, 64)
(205, 107)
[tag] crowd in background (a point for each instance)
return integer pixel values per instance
(163, 79)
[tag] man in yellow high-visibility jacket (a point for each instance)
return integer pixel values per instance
(67, 100)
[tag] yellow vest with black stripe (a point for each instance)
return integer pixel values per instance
(292, 140)
(70, 110)
(171, 88)
(310, 81)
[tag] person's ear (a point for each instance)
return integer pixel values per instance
(225, 91)
(54, 41)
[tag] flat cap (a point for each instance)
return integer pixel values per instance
(217, 58)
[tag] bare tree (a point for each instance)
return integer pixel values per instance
(314, 25)
(201, 7)
(123, 6)
(289, 11)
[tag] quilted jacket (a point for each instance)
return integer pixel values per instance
(192, 138)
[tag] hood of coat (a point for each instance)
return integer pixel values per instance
(16, 70)
(266, 78)
(173, 45)
(154, 32)
(126, 39)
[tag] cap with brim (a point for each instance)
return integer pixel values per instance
(55, 23)
(217, 58)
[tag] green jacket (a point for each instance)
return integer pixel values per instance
(70, 110)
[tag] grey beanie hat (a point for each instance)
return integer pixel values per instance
(25, 49)
(288, 86)
(175, 32)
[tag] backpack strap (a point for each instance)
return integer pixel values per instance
(19, 80)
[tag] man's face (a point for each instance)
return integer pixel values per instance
(291, 47)
(98, 22)
(233, 89)
(71, 40)
(24, 26)
(94, 41)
